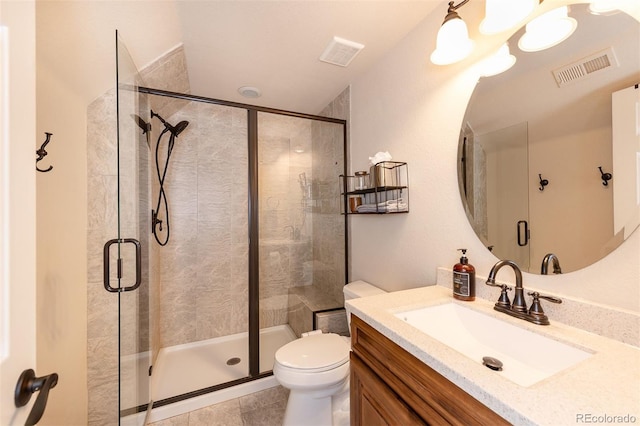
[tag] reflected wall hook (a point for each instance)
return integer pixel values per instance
(543, 182)
(41, 153)
(606, 177)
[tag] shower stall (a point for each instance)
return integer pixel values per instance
(229, 238)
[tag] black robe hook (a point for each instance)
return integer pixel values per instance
(606, 177)
(41, 153)
(543, 182)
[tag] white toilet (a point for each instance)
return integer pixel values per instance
(315, 369)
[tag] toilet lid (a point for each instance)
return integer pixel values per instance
(313, 352)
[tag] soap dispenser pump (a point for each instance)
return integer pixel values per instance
(464, 279)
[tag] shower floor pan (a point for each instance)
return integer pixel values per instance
(193, 366)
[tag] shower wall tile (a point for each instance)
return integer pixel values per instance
(168, 73)
(181, 182)
(328, 160)
(102, 154)
(178, 316)
(274, 310)
(101, 322)
(210, 175)
(300, 316)
(104, 366)
(102, 307)
(102, 400)
(333, 322)
(103, 207)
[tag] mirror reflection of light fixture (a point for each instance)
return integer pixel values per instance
(452, 43)
(499, 62)
(603, 7)
(500, 15)
(547, 30)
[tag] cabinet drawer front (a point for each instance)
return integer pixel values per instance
(433, 397)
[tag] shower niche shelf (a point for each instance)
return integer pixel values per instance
(384, 190)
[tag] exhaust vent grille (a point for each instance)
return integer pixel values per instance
(603, 60)
(341, 52)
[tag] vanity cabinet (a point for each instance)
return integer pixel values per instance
(389, 386)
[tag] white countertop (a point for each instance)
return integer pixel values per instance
(596, 390)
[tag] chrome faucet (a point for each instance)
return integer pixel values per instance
(550, 257)
(518, 308)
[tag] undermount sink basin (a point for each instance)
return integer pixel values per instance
(526, 357)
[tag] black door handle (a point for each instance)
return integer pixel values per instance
(27, 385)
(107, 261)
(523, 237)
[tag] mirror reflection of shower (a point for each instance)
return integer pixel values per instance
(157, 224)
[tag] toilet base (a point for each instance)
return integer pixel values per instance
(318, 408)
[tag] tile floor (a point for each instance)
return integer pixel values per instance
(264, 408)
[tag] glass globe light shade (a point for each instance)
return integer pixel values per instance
(452, 43)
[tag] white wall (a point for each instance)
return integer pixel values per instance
(414, 109)
(17, 204)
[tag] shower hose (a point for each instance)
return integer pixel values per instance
(156, 224)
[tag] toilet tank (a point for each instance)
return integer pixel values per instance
(356, 290)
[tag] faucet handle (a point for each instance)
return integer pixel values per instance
(504, 297)
(536, 310)
(503, 301)
(536, 296)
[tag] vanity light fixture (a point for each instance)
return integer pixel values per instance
(497, 63)
(547, 30)
(452, 43)
(500, 15)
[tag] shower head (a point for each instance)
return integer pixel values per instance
(179, 128)
(146, 127)
(141, 123)
(175, 130)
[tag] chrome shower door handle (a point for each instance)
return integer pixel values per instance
(107, 260)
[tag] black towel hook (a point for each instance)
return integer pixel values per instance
(41, 153)
(543, 182)
(606, 177)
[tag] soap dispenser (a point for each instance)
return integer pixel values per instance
(464, 279)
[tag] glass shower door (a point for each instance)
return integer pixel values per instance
(128, 254)
(301, 231)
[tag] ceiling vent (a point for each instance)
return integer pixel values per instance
(341, 52)
(603, 60)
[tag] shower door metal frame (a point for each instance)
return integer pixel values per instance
(253, 219)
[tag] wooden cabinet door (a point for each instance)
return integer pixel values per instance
(373, 403)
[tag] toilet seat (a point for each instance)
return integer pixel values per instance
(314, 353)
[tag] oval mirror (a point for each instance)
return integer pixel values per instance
(539, 171)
